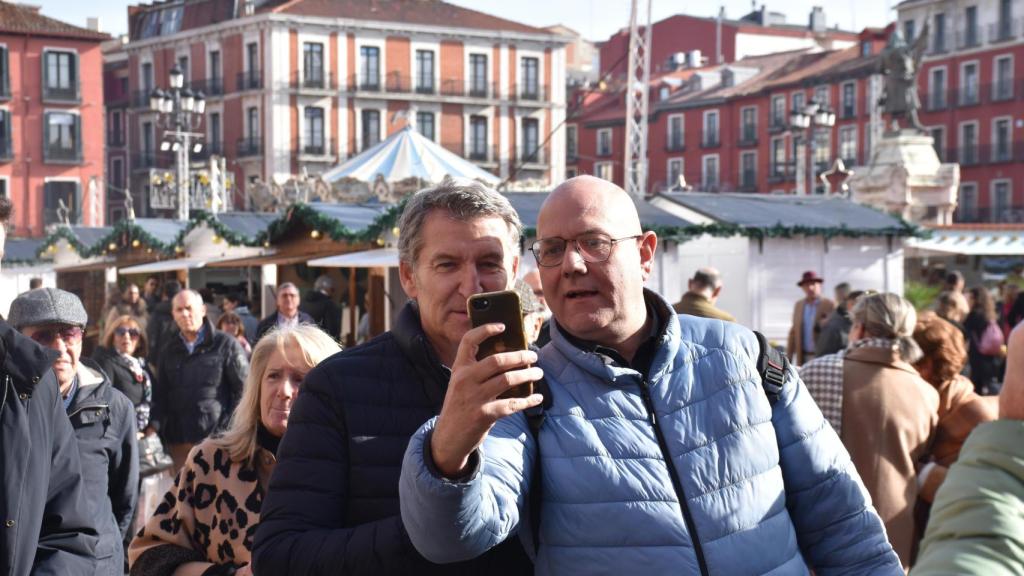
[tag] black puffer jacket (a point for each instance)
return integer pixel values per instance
(325, 312)
(104, 423)
(46, 526)
(332, 507)
(158, 327)
(195, 394)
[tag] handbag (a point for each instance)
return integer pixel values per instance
(991, 341)
(153, 459)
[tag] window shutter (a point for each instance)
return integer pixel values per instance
(46, 135)
(5, 80)
(75, 78)
(8, 143)
(76, 210)
(77, 135)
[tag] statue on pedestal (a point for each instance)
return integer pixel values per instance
(901, 64)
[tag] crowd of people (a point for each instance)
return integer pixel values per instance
(657, 437)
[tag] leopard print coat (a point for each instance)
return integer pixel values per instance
(208, 517)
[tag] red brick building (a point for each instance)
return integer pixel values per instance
(51, 120)
(300, 86)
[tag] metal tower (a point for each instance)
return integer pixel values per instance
(637, 100)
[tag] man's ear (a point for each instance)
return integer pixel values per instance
(648, 247)
(716, 292)
(407, 278)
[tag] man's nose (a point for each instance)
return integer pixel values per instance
(572, 260)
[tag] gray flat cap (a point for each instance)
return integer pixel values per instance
(47, 306)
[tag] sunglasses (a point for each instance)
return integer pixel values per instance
(70, 335)
(122, 331)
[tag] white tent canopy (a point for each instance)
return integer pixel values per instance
(408, 154)
(380, 258)
(972, 242)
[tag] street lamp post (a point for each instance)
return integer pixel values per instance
(803, 124)
(180, 111)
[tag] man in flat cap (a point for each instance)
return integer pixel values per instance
(102, 417)
(46, 524)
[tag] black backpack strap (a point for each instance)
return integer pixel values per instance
(535, 419)
(772, 366)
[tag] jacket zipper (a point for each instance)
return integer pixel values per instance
(691, 526)
(88, 407)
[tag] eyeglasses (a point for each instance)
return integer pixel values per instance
(70, 335)
(593, 248)
(122, 331)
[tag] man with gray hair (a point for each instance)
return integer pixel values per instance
(199, 380)
(333, 502)
(287, 314)
(320, 305)
(701, 295)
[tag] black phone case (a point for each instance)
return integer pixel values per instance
(503, 308)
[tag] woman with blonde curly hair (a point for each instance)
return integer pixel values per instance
(206, 522)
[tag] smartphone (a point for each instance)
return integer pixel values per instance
(503, 308)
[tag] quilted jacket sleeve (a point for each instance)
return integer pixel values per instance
(124, 466)
(450, 521)
(838, 530)
(303, 528)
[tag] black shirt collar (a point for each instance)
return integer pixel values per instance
(644, 354)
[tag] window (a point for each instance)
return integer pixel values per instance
(937, 88)
(571, 143)
(115, 133)
(710, 136)
(969, 83)
(1001, 140)
(60, 75)
(117, 173)
(748, 170)
(6, 146)
(1001, 201)
(849, 100)
(571, 172)
(425, 71)
(5, 74)
(214, 145)
(778, 112)
(478, 75)
(821, 95)
(314, 131)
(971, 27)
(251, 77)
(1005, 20)
(968, 144)
(216, 83)
(530, 72)
(147, 139)
(531, 141)
(183, 66)
(778, 159)
(938, 134)
(146, 79)
(799, 100)
(675, 133)
(822, 150)
(313, 65)
(848, 145)
(1003, 89)
(939, 35)
(61, 193)
(908, 31)
(425, 124)
(478, 137)
(604, 142)
(603, 170)
(968, 202)
(748, 125)
(673, 172)
(371, 128)
(369, 68)
(250, 144)
(3, 188)
(710, 172)
(62, 140)
(170, 20)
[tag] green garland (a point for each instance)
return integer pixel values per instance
(232, 237)
(727, 230)
(55, 236)
(300, 213)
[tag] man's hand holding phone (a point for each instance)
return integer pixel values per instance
(471, 405)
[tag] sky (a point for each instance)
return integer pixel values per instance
(594, 19)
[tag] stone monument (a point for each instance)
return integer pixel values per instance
(904, 176)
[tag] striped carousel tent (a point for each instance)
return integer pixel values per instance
(407, 154)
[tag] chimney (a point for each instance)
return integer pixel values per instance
(817, 20)
(93, 23)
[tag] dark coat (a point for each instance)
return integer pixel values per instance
(121, 376)
(984, 369)
(195, 394)
(836, 334)
(333, 499)
(47, 525)
(270, 321)
(324, 311)
(104, 423)
(158, 327)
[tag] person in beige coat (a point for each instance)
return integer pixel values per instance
(810, 314)
(889, 412)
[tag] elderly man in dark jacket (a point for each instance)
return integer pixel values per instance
(199, 380)
(332, 507)
(320, 305)
(102, 417)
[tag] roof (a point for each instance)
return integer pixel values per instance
(22, 250)
(974, 240)
(18, 19)
(89, 235)
(164, 230)
(355, 217)
(528, 204)
(421, 12)
(797, 213)
(248, 225)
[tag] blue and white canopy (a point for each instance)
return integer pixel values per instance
(407, 154)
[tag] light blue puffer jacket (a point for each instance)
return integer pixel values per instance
(769, 491)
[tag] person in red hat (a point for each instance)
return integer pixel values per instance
(809, 316)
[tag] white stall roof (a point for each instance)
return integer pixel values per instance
(980, 241)
(169, 265)
(380, 258)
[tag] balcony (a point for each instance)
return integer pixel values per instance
(710, 141)
(477, 153)
(61, 154)
(1007, 214)
(115, 138)
(965, 156)
(748, 136)
(397, 84)
(675, 143)
(529, 93)
(250, 80)
(999, 91)
(140, 98)
(968, 96)
(748, 180)
(152, 159)
(60, 93)
(251, 146)
(603, 151)
(777, 125)
(847, 111)
(782, 173)
(210, 86)
(967, 38)
(937, 100)
(1004, 30)
(321, 151)
(535, 157)
(318, 81)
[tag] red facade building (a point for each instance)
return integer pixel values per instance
(51, 120)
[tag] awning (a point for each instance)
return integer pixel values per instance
(968, 242)
(166, 266)
(379, 258)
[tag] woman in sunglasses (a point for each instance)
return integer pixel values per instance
(122, 356)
